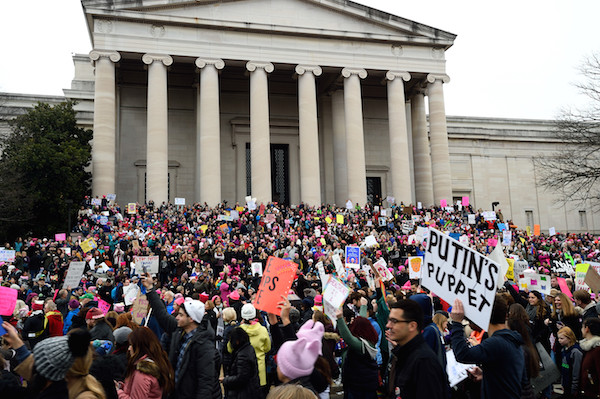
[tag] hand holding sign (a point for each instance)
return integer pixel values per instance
(277, 279)
(458, 311)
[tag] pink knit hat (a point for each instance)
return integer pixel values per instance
(297, 358)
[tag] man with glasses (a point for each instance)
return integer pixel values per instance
(415, 371)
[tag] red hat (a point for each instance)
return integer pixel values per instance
(37, 305)
(204, 297)
(94, 314)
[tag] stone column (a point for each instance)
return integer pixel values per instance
(355, 143)
(340, 173)
(399, 154)
(260, 141)
(421, 155)
(440, 154)
(208, 133)
(310, 174)
(105, 119)
(157, 146)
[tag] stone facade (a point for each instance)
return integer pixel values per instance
(293, 101)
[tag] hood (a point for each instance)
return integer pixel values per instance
(425, 303)
(510, 335)
(148, 366)
(331, 335)
(369, 348)
(588, 344)
(252, 329)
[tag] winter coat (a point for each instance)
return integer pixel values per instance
(261, 342)
(242, 381)
(143, 382)
(225, 355)
(571, 369)
(69, 320)
(198, 373)
(589, 382)
(102, 331)
(501, 358)
(55, 323)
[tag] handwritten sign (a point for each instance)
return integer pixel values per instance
(489, 215)
(146, 264)
(382, 270)
(88, 245)
(103, 306)
(453, 270)
(7, 255)
(353, 257)
(8, 300)
(179, 201)
(256, 268)
(580, 272)
(552, 231)
(506, 237)
(60, 237)
(339, 218)
(322, 275)
(334, 296)
(130, 292)
(74, 274)
(276, 281)
(465, 200)
(339, 267)
(414, 267)
(537, 230)
(139, 309)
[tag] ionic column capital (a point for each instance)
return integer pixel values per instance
(254, 65)
(166, 59)
(432, 77)
(114, 56)
(391, 75)
(361, 73)
(315, 69)
(216, 62)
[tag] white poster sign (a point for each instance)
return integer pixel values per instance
(471, 218)
(506, 237)
(74, 274)
(456, 371)
(146, 264)
(453, 270)
(179, 201)
(415, 267)
(339, 266)
(334, 296)
(489, 215)
(552, 231)
(7, 255)
(370, 241)
(257, 268)
(382, 270)
(130, 292)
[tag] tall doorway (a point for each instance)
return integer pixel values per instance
(280, 173)
(374, 190)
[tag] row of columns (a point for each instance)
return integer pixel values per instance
(432, 173)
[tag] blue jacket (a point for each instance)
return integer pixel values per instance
(501, 358)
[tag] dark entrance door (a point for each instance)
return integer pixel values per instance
(374, 190)
(280, 173)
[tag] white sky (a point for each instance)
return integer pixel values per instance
(515, 59)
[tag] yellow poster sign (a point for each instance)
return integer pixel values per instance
(339, 218)
(88, 245)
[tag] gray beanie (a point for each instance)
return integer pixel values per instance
(53, 357)
(121, 335)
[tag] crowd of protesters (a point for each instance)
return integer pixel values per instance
(203, 337)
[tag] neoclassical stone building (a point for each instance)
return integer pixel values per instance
(293, 101)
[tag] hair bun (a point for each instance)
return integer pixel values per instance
(79, 342)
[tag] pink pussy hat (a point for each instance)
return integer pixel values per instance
(297, 358)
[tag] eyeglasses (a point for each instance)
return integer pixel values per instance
(395, 321)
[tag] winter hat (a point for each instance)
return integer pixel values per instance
(319, 300)
(87, 295)
(248, 312)
(297, 358)
(204, 297)
(37, 305)
(54, 356)
(194, 308)
(121, 335)
(102, 346)
(94, 314)
(234, 295)
(73, 304)
(180, 300)
(119, 307)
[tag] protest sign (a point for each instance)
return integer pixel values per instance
(455, 236)
(370, 241)
(139, 309)
(422, 233)
(328, 220)
(560, 266)
(8, 300)
(443, 203)
(551, 231)
(352, 257)
(131, 208)
(349, 205)
(452, 270)
(60, 237)
(580, 272)
(88, 245)
(382, 221)
(67, 250)
(203, 228)
(510, 273)
(111, 197)
(334, 296)
(257, 268)
(322, 275)
(539, 282)
(520, 266)
(103, 306)
(276, 281)
(179, 201)
(506, 237)
(592, 279)
(498, 257)
(489, 215)
(146, 264)
(465, 200)
(7, 255)
(390, 199)
(96, 201)
(74, 274)
(414, 267)
(339, 218)
(456, 371)
(382, 270)
(227, 218)
(537, 230)
(130, 292)
(339, 267)
(464, 239)
(564, 288)
(471, 218)
(103, 220)
(419, 205)
(383, 212)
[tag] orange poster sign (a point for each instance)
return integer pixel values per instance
(277, 280)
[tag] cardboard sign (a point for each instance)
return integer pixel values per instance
(179, 201)
(580, 272)
(334, 296)
(146, 264)
(339, 267)
(8, 300)
(60, 237)
(88, 245)
(453, 270)
(382, 270)
(257, 268)
(276, 281)
(592, 279)
(131, 208)
(352, 257)
(7, 255)
(564, 288)
(74, 274)
(415, 264)
(139, 309)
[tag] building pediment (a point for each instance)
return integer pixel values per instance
(322, 18)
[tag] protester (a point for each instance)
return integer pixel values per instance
(590, 365)
(583, 299)
(80, 383)
(259, 339)
(99, 327)
(571, 356)
(242, 381)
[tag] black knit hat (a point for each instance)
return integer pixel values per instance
(53, 357)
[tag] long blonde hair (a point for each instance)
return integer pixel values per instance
(79, 380)
(567, 308)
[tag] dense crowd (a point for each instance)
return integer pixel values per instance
(199, 334)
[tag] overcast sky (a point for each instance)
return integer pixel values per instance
(515, 59)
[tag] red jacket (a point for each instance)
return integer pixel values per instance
(55, 323)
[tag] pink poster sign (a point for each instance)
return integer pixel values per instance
(8, 300)
(103, 306)
(60, 237)
(492, 242)
(443, 203)
(564, 287)
(465, 200)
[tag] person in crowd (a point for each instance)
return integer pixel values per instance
(431, 333)
(330, 339)
(80, 383)
(502, 369)
(589, 381)
(537, 311)
(242, 382)
(563, 315)
(583, 299)
(73, 306)
(571, 357)
(230, 323)
(149, 373)
(518, 321)
(291, 391)
(54, 319)
(99, 327)
(415, 371)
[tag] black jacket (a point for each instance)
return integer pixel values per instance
(199, 369)
(417, 373)
(242, 381)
